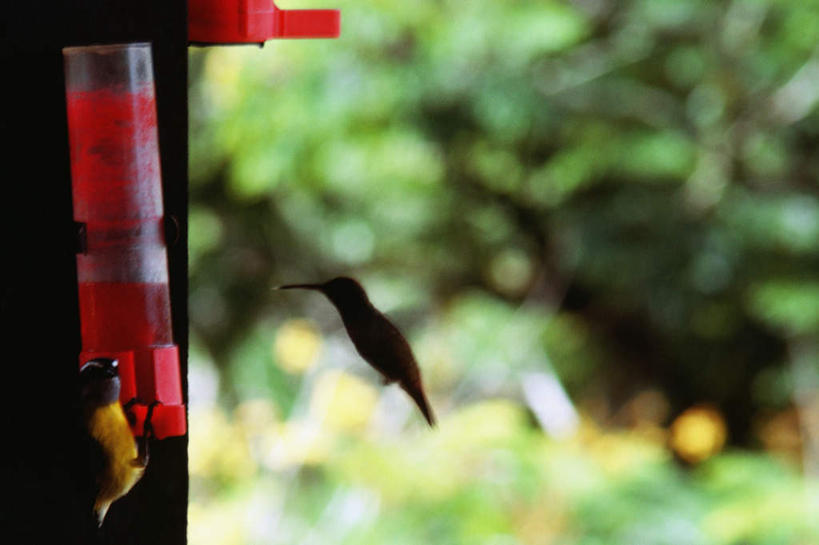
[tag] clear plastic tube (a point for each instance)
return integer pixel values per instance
(117, 193)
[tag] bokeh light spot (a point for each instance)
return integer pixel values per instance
(297, 346)
(342, 401)
(698, 433)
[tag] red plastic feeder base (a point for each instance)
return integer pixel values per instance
(149, 375)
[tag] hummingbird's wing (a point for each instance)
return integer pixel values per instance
(385, 348)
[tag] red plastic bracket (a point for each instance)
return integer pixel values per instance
(256, 21)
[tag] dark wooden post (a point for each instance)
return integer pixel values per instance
(43, 464)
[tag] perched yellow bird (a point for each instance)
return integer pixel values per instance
(122, 463)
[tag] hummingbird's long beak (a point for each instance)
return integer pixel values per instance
(300, 287)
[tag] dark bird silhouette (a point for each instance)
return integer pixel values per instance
(377, 340)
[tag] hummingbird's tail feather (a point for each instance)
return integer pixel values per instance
(417, 394)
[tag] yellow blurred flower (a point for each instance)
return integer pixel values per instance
(297, 346)
(217, 448)
(490, 422)
(298, 443)
(343, 402)
(218, 523)
(622, 453)
(253, 415)
(698, 433)
(404, 469)
(257, 420)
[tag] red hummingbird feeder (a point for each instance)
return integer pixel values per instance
(256, 21)
(122, 266)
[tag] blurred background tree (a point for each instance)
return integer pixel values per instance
(605, 213)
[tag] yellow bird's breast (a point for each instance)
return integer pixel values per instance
(109, 427)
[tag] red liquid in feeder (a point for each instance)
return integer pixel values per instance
(114, 155)
(120, 316)
(116, 182)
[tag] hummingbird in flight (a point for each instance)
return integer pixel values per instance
(375, 338)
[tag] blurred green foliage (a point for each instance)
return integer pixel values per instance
(621, 193)
(486, 477)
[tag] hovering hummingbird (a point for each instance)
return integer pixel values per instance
(375, 338)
